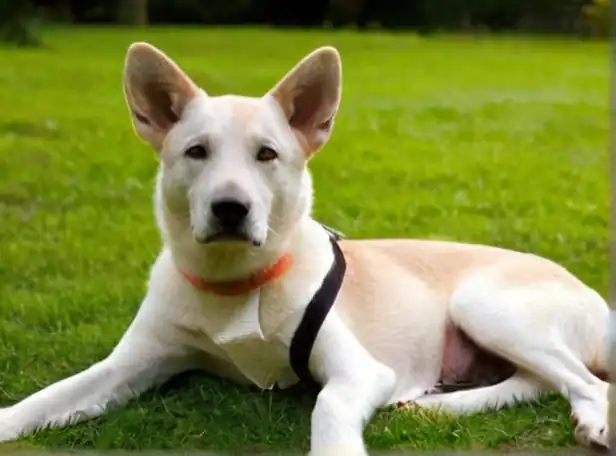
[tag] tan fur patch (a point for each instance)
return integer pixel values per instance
(440, 265)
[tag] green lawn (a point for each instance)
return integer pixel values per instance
(500, 141)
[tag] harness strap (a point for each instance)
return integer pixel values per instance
(316, 311)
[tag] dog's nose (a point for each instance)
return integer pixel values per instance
(230, 212)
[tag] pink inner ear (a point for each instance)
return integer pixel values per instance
(306, 106)
(161, 105)
(327, 125)
(141, 118)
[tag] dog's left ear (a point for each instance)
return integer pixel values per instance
(156, 91)
(309, 96)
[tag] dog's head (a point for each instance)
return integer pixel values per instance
(234, 167)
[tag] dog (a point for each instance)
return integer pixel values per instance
(448, 326)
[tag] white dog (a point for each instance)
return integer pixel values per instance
(389, 321)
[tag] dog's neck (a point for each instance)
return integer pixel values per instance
(226, 263)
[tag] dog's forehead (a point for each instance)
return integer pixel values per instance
(229, 121)
(236, 107)
(238, 112)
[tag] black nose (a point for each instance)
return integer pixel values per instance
(229, 212)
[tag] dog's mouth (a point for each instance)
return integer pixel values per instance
(229, 237)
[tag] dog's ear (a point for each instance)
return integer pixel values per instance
(309, 96)
(156, 92)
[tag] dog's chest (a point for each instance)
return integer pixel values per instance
(232, 327)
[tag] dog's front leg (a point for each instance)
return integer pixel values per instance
(355, 385)
(147, 355)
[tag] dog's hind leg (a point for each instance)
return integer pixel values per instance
(551, 332)
(518, 388)
(145, 357)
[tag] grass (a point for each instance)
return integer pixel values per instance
(501, 141)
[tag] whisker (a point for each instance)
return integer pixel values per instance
(271, 230)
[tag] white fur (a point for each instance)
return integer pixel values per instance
(383, 339)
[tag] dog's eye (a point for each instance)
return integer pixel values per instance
(266, 154)
(197, 152)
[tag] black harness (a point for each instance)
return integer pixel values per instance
(317, 310)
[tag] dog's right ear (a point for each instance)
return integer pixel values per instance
(156, 92)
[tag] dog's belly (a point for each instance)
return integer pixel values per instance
(466, 365)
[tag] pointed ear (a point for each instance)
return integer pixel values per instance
(309, 96)
(156, 92)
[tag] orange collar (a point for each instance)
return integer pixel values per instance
(240, 287)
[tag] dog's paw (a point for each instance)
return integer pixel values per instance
(591, 431)
(340, 450)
